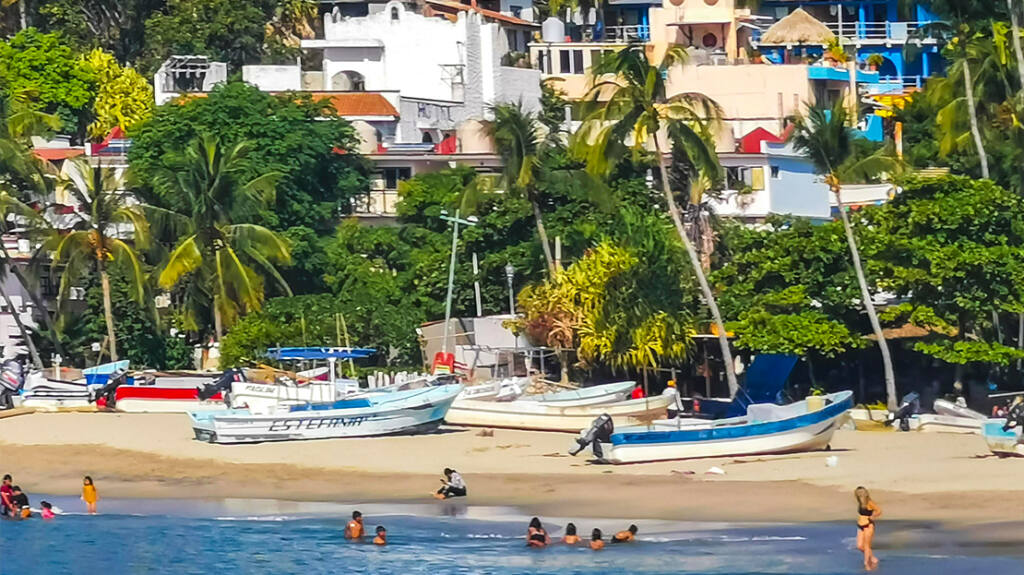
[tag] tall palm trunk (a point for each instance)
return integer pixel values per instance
(23, 13)
(39, 304)
(36, 360)
(218, 319)
(698, 270)
(1012, 6)
(869, 306)
(543, 233)
(972, 113)
(108, 311)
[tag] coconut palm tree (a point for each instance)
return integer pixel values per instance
(634, 113)
(526, 148)
(106, 227)
(1013, 7)
(826, 139)
(207, 198)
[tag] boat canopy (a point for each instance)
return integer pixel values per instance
(297, 353)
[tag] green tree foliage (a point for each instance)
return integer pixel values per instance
(224, 30)
(117, 26)
(123, 97)
(954, 249)
(302, 139)
(791, 288)
(44, 66)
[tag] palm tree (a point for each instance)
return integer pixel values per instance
(826, 139)
(1013, 7)
(98, 233)
(637, 109)
(526, 148)
(26, 177)
(22, 11)
(211, 197)
(11, 208)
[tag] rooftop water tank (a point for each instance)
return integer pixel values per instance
(553, 30)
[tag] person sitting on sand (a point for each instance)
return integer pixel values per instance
(6, 506)
(570, 537)
(354, 529)
(596, 543)
(867, 512)
(536, 536)
(382, 536)
(627, 536)
(89, 494)
(453, 485)
(47, 512)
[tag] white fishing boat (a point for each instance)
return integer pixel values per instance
(260, 397)
(506, 389)
(766, 428)
(544, 416)
(936, 423)
(951, 409)
(54, 393)
(596, 395)
(375, 414)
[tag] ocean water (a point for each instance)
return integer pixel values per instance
(275, 537)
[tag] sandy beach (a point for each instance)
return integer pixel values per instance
(916, 476)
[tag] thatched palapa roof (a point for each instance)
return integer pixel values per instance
(798, 27)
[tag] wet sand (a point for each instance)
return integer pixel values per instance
(914, 476)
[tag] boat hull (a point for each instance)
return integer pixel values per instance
(539, 416)
(407, 412)
(1003, 443)
(936, 423)
(596, 395)
(803, 431)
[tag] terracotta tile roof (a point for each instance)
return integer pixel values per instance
(350, 104)
(453, 5)
(54, 154)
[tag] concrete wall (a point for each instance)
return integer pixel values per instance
(413, 51)
(797, 190)
(519, 85)
(273, 78)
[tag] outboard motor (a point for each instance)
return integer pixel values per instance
(909, 405)
(600, 432)
(1015, 417)
(12, 378)
(109, 390)
(223, 384)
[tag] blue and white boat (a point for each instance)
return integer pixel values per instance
(372, 414)
(1003, 441)
(806, 425)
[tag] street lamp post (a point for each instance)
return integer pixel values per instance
(470, 221)
(510, 273)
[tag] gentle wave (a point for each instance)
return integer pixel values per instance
(262, 518)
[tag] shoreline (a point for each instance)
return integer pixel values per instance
(943, 479)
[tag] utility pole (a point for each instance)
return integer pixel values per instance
(455, 221)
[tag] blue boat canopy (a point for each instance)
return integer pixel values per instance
(295, 353)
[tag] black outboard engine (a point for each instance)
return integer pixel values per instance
(909, 405)
(1015, 416)
(600, 432)
(109, 390)
(12, 378)
(223, 384)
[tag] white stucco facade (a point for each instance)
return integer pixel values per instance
(779, 181)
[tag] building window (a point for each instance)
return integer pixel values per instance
(394, 13)
(577, 61)
(394, 175)
(564, 61)
(427, 138)
(775, 173)
(709, 40)
(348, 81)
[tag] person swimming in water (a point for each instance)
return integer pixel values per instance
(867, 512)
(536, 536)
(47, 512)
(354, 529)
(570, 537)
(627, 536)
(382, 536)
(596, 543)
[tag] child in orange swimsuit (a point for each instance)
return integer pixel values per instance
(89, 494)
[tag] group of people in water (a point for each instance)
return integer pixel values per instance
(354, 530)
(14, 502)
(537, 536)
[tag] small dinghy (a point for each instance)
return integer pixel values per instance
(766, 428)
(506, 389)
(596, 395)
(374, 414)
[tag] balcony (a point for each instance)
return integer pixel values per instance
(378, 203)
(878, 32)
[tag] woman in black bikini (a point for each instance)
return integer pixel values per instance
(536, 536)
(867, 513)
